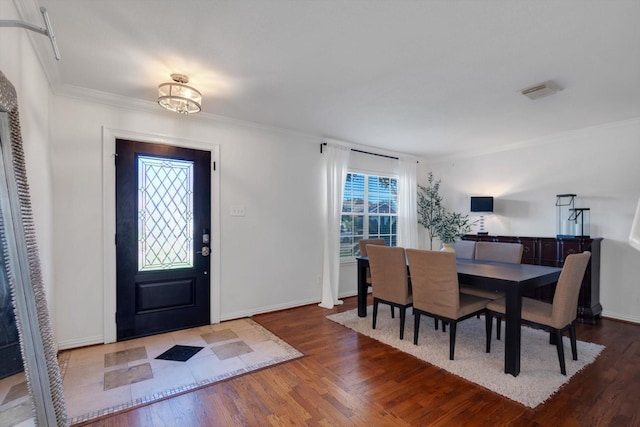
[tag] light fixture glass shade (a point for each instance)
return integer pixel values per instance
(177, 96)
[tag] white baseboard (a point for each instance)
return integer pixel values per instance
(99, 339)
(618, 316)
(266, 309)
(66, 345)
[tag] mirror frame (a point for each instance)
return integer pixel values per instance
(19, 244)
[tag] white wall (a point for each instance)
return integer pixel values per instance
(270, 259)
(599, 164)
(19, 63)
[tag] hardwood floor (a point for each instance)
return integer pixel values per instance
(349, 379)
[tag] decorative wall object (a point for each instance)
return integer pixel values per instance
(571, 221)
(19, 244)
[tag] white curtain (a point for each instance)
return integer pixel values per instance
(407, 204)
(634, 236)
(337, 162)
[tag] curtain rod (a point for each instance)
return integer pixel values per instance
(48, 31)
(366, 152)
(363, 152)
(374, 154)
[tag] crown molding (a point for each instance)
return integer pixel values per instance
(120, 101)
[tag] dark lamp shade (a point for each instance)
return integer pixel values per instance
(481, 204)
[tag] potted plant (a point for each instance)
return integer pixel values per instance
(447, 226)
(450, 227)
(430, 208)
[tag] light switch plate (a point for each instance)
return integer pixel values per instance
(237, 210)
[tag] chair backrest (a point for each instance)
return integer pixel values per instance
(565, 299)
(364, 242)
(465, 249)
(499, 251)
(389, 277)
(434, 282)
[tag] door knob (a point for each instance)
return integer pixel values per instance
(205, 251)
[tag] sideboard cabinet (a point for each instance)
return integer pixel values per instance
(552, 252)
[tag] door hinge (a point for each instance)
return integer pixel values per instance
(116, 239)
(214, 166)
(116, 319)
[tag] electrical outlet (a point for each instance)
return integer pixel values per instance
(237, 210)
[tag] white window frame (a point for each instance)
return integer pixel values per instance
(366, 213)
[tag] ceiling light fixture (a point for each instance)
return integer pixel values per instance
(177, 96)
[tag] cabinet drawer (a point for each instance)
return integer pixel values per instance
(569, 247)
(548, 252)
(529, 253)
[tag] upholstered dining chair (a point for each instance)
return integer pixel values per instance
(436, 292)
(558, 316)
(389, 280)
(363, 252)
(494, 251)
(499, 251)
(465, 249)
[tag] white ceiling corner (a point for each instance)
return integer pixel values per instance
(431, 78)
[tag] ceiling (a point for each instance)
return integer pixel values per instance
(432, 78)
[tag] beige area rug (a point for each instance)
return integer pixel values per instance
(104, 379)
(539, 377)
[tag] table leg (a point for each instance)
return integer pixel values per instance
(512, 334)
(363, 288)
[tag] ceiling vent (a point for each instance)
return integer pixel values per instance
(541, 90)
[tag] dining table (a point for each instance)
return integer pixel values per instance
(512, 279)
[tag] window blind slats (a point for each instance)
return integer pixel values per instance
(369, 211)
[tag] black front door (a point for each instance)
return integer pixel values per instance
(163, 218)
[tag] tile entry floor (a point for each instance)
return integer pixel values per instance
(102, 379)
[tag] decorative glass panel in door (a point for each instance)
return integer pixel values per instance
(165, 217)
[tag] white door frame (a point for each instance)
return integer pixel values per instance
(109, 137)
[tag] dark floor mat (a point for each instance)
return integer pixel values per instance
(179, 353)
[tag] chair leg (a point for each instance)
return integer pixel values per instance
(375, 312)
(572, 335)
(416, 327)
(403, 313)
(444, 326)
(488, 325)
(452, 339)
(560, 349)
(498, 326)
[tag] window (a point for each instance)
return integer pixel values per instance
(369, 211)
(165, 216)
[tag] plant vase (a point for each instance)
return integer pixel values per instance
(448, 247)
